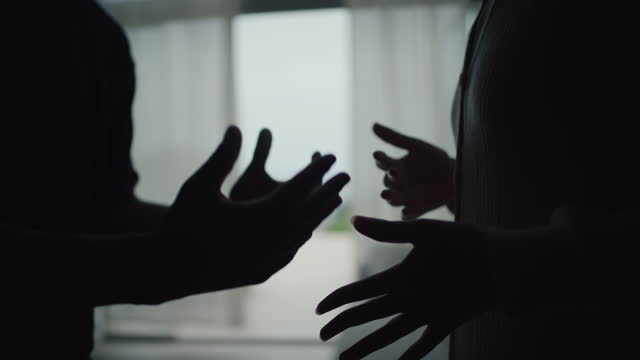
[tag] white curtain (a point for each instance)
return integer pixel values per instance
(184, 101)
(407, 59)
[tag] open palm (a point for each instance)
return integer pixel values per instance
(420, 181)
(443, 282)
(214, 243)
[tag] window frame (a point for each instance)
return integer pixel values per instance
(261, 6)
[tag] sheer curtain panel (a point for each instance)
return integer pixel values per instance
(407, 59)
(184, 101)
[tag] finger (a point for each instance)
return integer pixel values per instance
(397, 328)
(314, 213)
(215, 170)
(263, 147)
(411, 213)
(395, 138)
(431, 337)
(372, 286)
(375, 309)
(383, 161)
(322, 213)
(316, 155)
(328, 190)
(394, 198)
(406, 231)
(300, 187)
(324, 201)
(390, 181)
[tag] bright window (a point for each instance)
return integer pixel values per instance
(291, 73)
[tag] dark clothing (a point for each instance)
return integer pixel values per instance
(66, 136)
(544, 120)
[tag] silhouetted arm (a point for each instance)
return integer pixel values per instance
(582, 260)
(137, 216)
(205, 243)
(585, 259)
(62, 270)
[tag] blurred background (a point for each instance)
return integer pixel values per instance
(318, 73)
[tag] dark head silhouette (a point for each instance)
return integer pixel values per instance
(75, 236)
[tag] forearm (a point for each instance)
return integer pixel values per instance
(536, 268)
(137, 216)
(586, 264)
(77, 270)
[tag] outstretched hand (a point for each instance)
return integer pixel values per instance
(420, 181)
(443, 282)
(214, 243)
(255, 182)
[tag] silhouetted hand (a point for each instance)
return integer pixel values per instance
(420, 181)
(443, 282)
(255, 182)
(215, 244)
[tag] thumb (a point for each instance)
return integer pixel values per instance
(216, 169)
(263, 147)
(415, 231)
(395, 138)
(381, 230)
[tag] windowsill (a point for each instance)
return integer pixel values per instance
(219, 350)
(131, 332)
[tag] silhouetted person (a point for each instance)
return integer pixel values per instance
(541, 261)
(73, 234)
